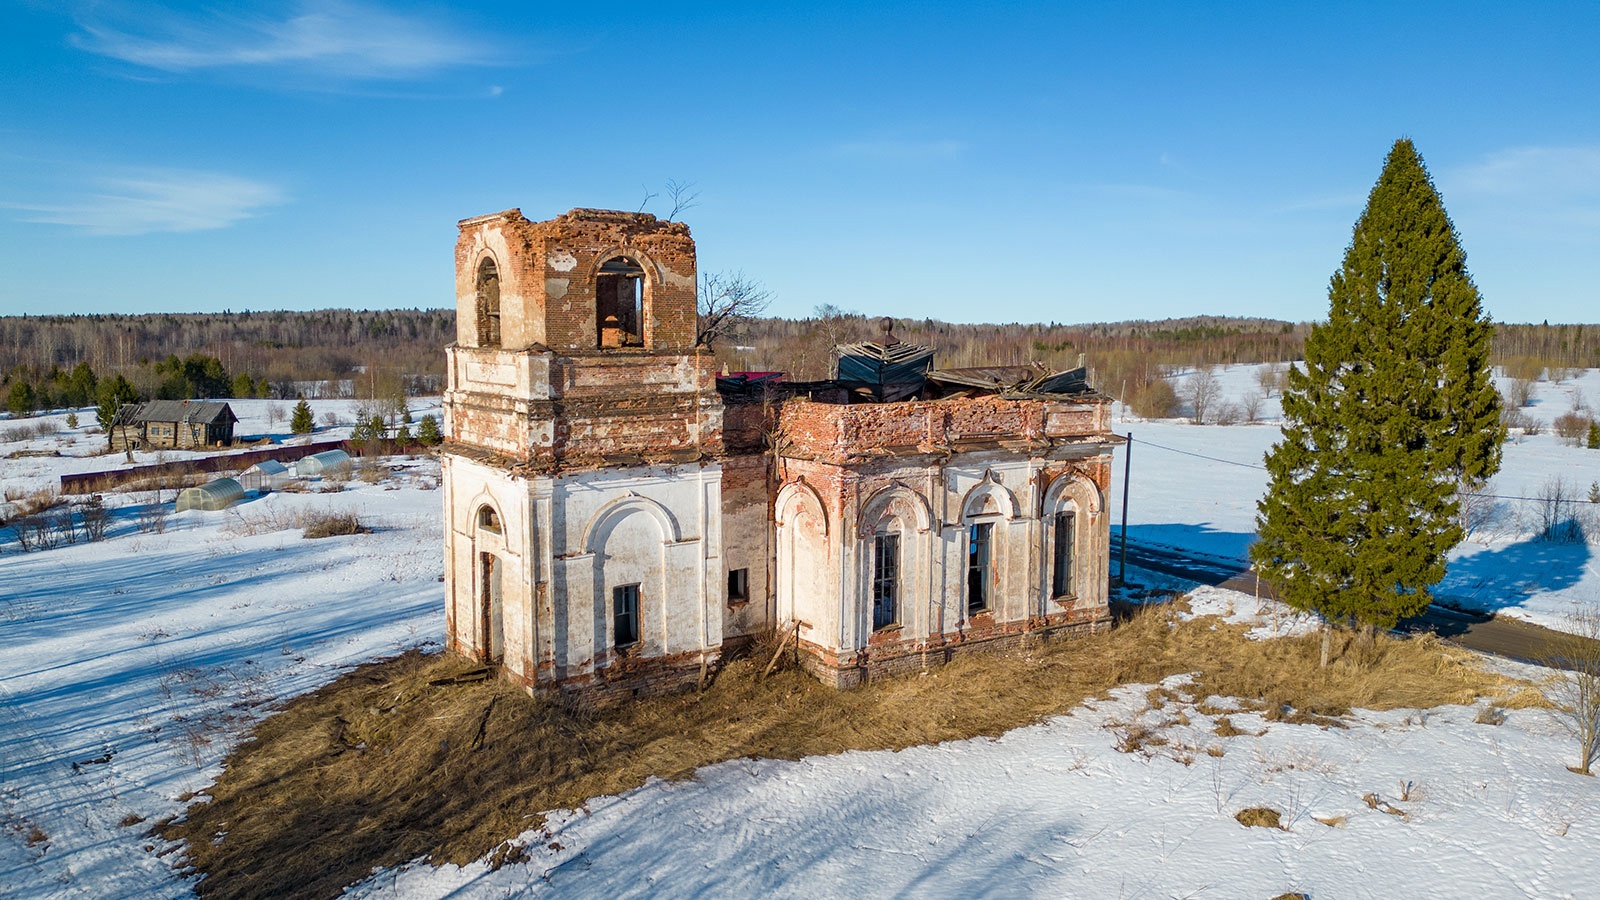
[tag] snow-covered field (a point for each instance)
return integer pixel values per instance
(132, 665)
(1195, 487)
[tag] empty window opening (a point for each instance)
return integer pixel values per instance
(488, 520)
(625, 615)
(885, 580)
(488, 288)
(619, 303)
(979, 552)
(1062, 583)
(738, 585)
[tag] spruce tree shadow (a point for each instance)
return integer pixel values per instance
(1202, 538)
(1499, 578)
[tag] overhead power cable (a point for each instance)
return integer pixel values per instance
(1234, 462)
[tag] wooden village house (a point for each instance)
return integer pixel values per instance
(173, 425)
(618, 515)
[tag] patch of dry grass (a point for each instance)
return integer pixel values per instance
(1260, 817)
(331, 524)
(382, 767)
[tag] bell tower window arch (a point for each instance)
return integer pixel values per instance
(487, 287)
(619, 307)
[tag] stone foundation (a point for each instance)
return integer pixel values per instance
(890, 659)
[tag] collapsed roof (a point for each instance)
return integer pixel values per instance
(869, 372)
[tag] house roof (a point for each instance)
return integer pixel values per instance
(200, 412)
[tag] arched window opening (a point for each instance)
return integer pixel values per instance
(885, 579)
(619, 303)
(980, 566)
(1063, 581)
(488, 288)
(488, 519)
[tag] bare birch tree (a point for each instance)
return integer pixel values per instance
(725, 300)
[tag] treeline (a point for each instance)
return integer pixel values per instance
(283, 348)
(197, 376)
(286, 354)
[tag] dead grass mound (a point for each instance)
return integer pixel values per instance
(1259, 817)
(321, 525)
(405, 759)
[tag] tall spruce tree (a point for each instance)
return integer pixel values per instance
(1393, 412)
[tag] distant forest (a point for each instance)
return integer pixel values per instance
(283, 353)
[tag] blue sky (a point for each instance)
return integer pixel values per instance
(1065, 162)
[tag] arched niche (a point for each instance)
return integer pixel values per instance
(486, 288)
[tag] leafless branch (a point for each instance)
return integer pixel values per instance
(683, 197)
(724, 301)
(648, 196)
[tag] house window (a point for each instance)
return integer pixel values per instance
(625, 615)
(1062, 584)
(980, 538)
(738, 585)
(885, 580)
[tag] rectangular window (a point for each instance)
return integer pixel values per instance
(1063, 582)
(625, 615)
(738, 585)
(885, 580)
(979, 537)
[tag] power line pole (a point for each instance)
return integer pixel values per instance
(1127, 469)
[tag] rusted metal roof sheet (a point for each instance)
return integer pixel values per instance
(877, 364)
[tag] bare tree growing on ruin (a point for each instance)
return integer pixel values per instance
(683, 197)
(724, 301)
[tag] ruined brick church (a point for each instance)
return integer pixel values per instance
(619, 516)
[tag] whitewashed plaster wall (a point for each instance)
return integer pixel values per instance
(565, 541)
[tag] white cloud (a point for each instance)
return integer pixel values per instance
(339, 39)
(159, 200)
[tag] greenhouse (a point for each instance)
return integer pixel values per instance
(267, 475)
(328, 462)
(218, 494)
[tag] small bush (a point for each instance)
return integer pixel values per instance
(1155, 399)
(152, 517)
(1516, 420)
(330, 524)
(1573, 426)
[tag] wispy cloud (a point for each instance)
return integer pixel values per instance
(1548, 193)
(158, 200)
(901, 151)
(348, 40)
(1533, 173)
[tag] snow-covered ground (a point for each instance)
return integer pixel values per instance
(132, 665)
(1195, 487)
